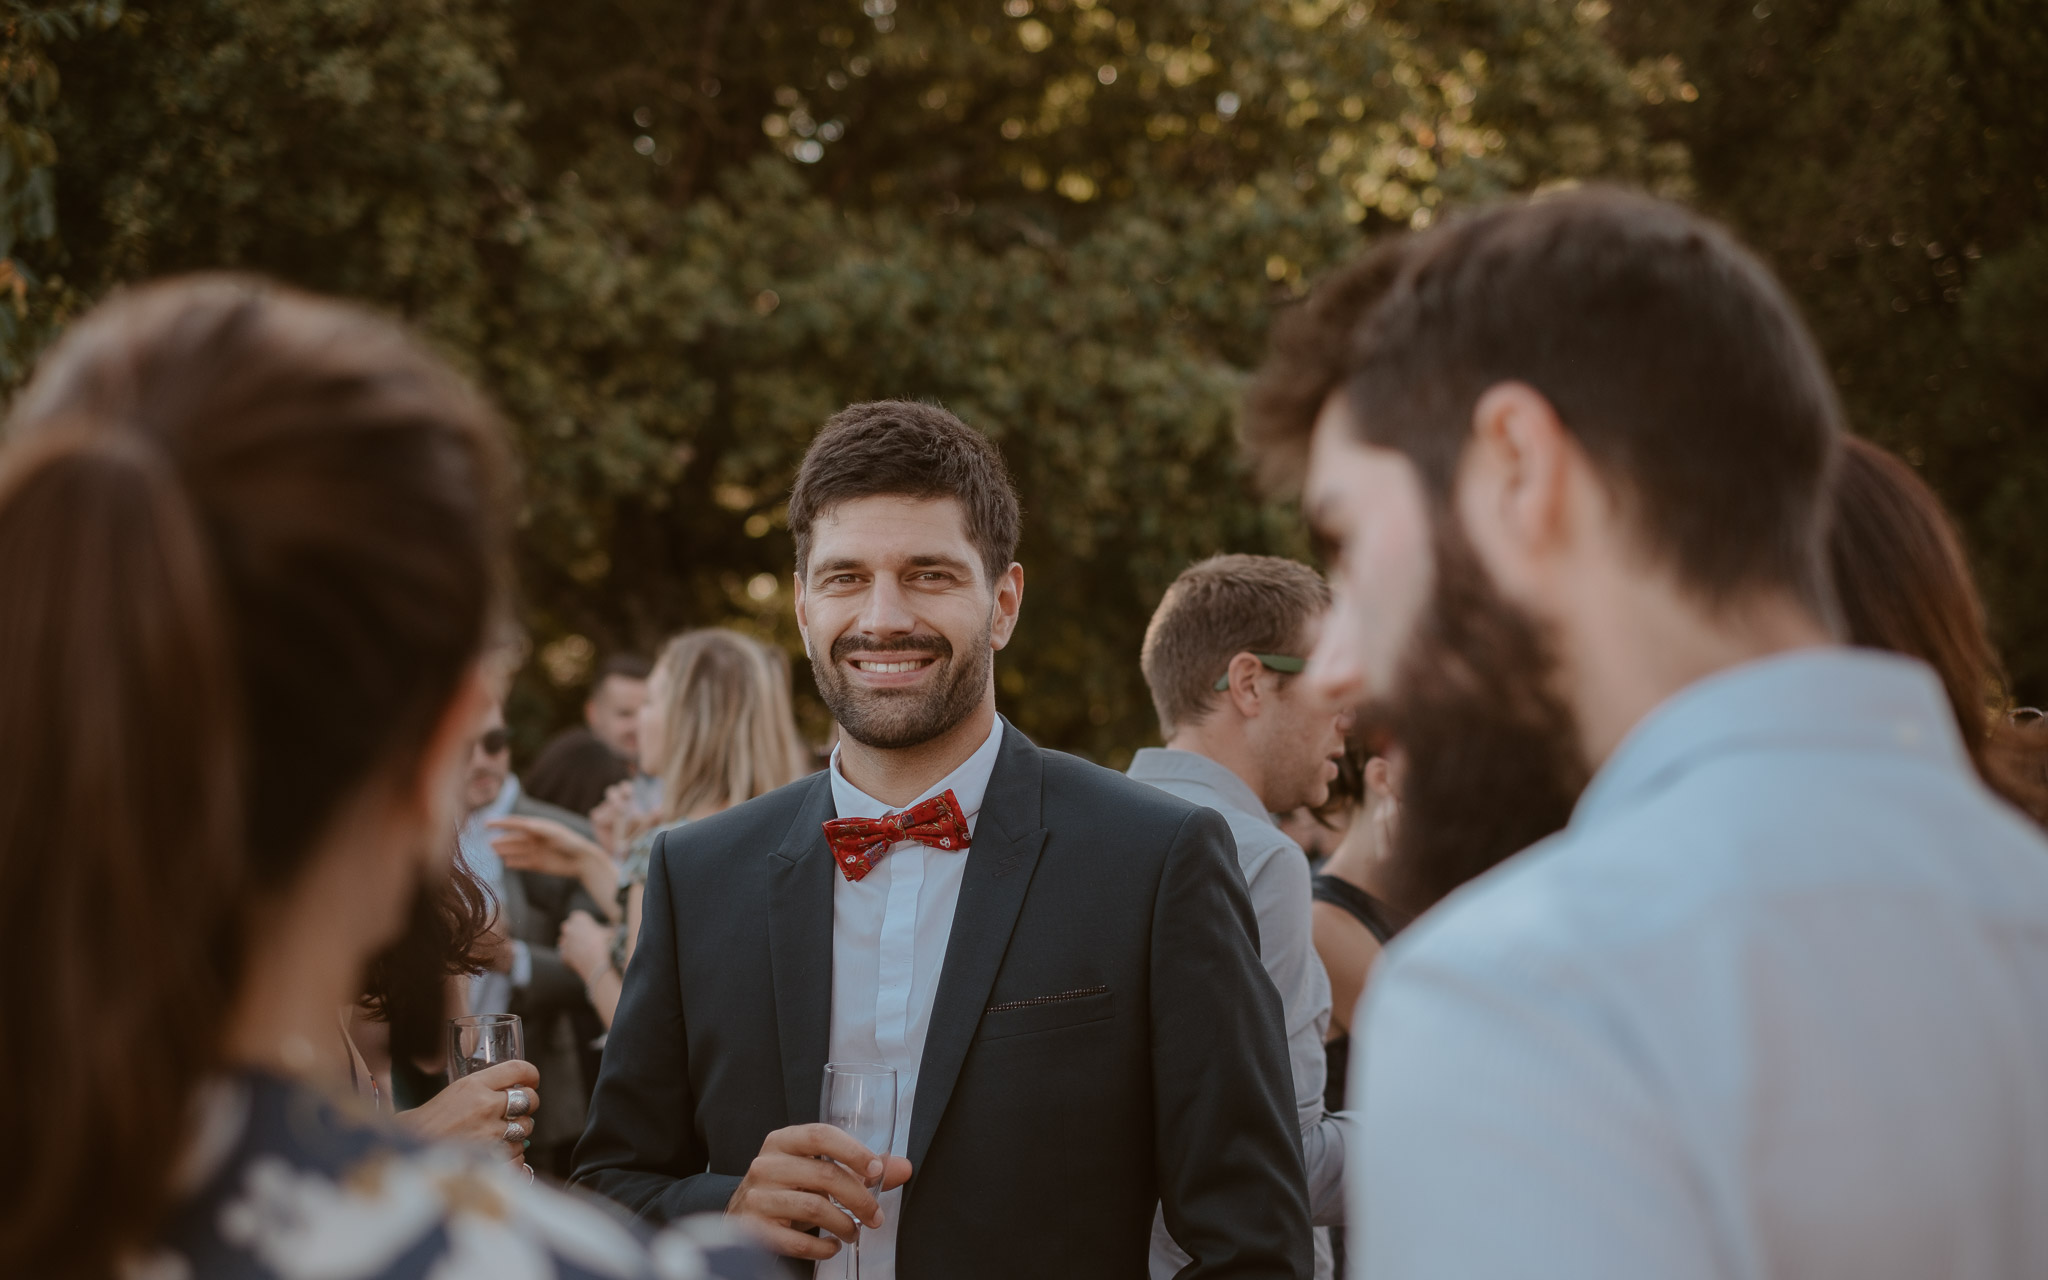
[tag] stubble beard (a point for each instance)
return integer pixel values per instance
(1493, 757)
(897, 719)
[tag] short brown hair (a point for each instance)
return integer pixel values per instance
(1311, 353)
(1676, 361)
(1215, 610)
(902, 448)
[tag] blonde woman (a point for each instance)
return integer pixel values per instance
(717, 730)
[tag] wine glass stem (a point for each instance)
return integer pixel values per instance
(856, 1252)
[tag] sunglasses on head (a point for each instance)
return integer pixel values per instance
(494, 741)
(1272, 662)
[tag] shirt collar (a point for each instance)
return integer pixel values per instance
(1169, 764)
(968, 783)
(1820, 697)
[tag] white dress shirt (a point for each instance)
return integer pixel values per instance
(491, 991)
(1774, 1006)
(889, 934)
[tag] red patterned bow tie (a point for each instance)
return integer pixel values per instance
(859, 843)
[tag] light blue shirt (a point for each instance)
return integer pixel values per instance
(1774, 1004)
(491, 991)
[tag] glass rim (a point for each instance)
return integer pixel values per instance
(484, 1020)
(859, 1069)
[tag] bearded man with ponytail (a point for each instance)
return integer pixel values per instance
(253, 554)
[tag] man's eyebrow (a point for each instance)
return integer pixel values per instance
(932, 561)
(834, 566)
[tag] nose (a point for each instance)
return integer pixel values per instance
(886, 612)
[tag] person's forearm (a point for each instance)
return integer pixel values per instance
(600, 879)
(1322, 1157)
(603, 988)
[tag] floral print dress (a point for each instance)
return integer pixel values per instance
(284, 1183)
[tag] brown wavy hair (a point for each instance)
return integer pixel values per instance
(406, 984)
(251, 545)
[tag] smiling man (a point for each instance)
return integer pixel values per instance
(1060, 964)
(1774, 1002)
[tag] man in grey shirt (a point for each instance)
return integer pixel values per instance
(1246, 738)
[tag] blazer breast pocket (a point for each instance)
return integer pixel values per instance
(1050, 1012)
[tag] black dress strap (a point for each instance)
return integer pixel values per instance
(1369, 911)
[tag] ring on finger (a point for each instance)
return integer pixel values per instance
(515, 1131)
(517, 1103)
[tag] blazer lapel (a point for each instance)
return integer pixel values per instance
(800, 949)
(1007, 838)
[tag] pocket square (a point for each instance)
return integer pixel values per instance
(1076, 994)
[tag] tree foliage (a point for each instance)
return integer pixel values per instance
(1890, 157)
(672, 238)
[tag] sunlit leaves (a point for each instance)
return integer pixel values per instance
(673, 238)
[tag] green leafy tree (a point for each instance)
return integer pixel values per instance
(1890, 157)
(672, 239)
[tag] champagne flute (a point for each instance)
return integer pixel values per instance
(859, 1099)
(482, 1040)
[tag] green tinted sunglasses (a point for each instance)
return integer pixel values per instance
(1272, 662)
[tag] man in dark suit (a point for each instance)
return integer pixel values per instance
(1061, 965)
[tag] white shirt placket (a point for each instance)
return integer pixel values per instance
(896, 974)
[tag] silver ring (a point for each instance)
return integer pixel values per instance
(515, 1132)
(517, 1103)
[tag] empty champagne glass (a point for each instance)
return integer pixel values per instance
(483, 1040)
(859, 1099)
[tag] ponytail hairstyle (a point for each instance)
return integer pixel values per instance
(731, 734)
(251, 544)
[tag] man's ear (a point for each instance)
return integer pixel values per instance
(1243, 693)
(1008, 604)
(803, 621)
(1513, 483)
(1379, 776)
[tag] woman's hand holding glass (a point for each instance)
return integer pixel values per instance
(482, 1109)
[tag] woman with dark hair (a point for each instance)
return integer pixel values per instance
(395, 1039)
(574, 771)
(253, 550)
(1352, 915)
(1905, 585)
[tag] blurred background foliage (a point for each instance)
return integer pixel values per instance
(671, 238)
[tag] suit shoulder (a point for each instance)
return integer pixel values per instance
(1072, 783)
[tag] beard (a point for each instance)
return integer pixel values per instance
(893, 719)
(1493, 757)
